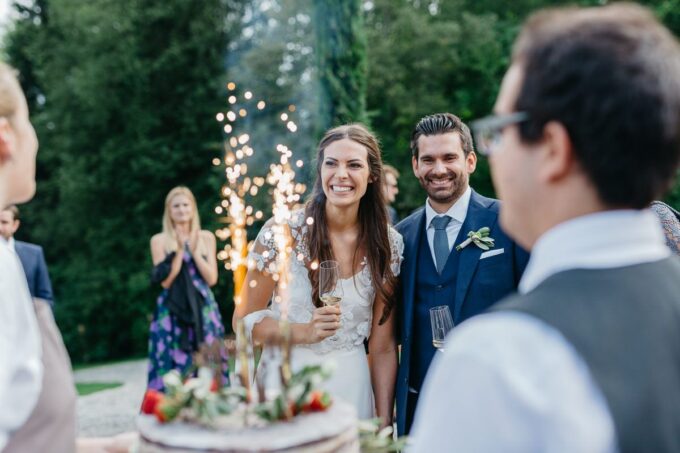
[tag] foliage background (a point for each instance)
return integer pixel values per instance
(123, 95)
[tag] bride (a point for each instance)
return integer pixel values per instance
(345, 220)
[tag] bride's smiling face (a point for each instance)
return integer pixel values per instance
(345, 173)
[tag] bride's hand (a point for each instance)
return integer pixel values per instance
(325, 322)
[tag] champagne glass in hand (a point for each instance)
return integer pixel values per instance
(442, 323)
(330, 289)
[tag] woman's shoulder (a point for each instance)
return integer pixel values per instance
(297, 227)
(396, 245)
(207, 234)
(393, 232)
(158, 238)
(395, 236)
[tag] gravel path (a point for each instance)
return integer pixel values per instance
(111, 411)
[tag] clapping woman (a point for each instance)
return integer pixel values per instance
(185, 266)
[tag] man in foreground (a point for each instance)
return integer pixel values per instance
(587, 357)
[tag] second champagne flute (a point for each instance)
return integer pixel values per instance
(442, 323)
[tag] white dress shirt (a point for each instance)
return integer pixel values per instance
(510, 382)
(457, 212)
(20, 349)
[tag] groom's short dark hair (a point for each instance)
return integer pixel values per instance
(611, 76)
(441, 123)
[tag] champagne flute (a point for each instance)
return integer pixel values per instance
(330, 289)
(442, 323)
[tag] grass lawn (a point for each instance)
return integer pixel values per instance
(85, 388)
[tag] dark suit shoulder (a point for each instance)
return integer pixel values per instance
(486, 202)
(28, 247)
(411, 221)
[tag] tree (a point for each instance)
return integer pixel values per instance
(130, 90)
(428, 56)
(341, 60)
(420, 63)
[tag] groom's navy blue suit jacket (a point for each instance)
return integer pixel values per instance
(33, 261)
(479, 284)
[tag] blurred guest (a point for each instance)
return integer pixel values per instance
(391, 191)
(21, 367)
(31, 256)
(586, 358)
(185, 266)
(670, 222)
(37, 394)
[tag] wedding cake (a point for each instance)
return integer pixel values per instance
(199, 415)
(334, 430)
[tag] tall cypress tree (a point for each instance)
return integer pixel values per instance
(341, 61)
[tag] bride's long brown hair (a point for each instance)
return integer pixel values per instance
(373, 224)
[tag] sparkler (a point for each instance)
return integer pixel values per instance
(238, 189)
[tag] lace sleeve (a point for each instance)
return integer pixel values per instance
(251, 319)
(263, 253)
(397, 248)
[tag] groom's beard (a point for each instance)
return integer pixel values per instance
(448, 193)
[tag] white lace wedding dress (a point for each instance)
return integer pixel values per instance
(351, 379)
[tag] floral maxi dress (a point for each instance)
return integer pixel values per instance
(165, 347)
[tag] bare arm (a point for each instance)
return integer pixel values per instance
(382, 348)
(158, 255)
(255, 296)
(207, 265)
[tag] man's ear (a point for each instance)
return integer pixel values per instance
(5, 145)
(414, 164)
(471, 162)
(558, 153)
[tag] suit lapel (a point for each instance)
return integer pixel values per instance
(477, 217)
(411, 242)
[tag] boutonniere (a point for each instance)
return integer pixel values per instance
(480, 238)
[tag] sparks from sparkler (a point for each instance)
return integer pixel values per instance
(286, 195)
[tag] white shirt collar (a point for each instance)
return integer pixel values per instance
(10, 244)
(458, 211)
(596, 241)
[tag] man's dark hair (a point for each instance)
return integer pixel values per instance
(441, 123)
(611, 76)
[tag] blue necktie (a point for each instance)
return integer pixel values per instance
(441, 241)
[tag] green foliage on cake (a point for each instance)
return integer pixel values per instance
(202, 400)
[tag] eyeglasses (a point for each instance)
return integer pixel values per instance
(488, 130)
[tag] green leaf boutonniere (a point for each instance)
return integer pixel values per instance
(480, 238)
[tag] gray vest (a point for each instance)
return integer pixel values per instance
(625, 324)
(51, 427)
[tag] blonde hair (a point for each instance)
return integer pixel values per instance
(169, 235)
(390, 169)
(10, 92)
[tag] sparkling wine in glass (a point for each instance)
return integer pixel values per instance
(442, 323)
(330, 289)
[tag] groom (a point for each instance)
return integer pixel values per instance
(434, 272)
